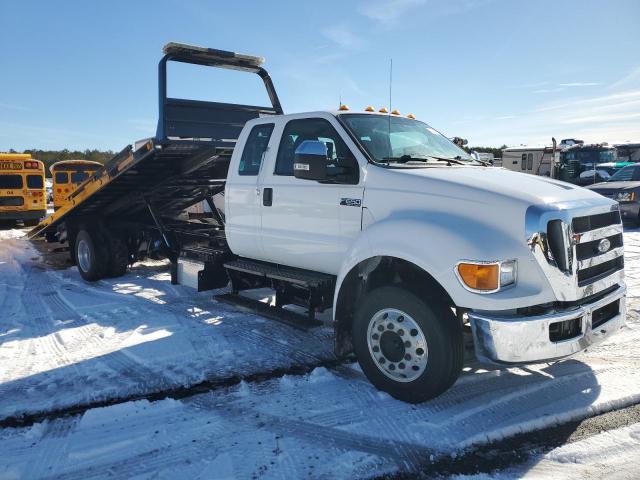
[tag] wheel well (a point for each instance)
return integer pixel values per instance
(373, 273)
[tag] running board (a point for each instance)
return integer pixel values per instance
(292, 319)
(293, 286)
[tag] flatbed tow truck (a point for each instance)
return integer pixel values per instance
(373, 215)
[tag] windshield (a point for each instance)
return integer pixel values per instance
(589, 157)
(388, 138)
(574, 164)
(623, 175)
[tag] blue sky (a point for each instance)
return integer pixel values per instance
(82, 74)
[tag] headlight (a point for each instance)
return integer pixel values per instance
(625, 196)
(486, 277)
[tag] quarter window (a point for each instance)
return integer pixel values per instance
(34, 181)
(254, 149)
(62, 177)
(523, 163)
(297, 131)
(530, 161)
(79, 177)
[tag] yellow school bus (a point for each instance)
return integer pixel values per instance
(22, 191)
(67, 175)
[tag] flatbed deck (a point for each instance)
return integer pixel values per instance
(185, 163)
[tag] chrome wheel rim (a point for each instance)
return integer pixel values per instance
(397, 345)
(84, 260)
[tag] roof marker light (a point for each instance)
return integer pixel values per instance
(383, 110)
(343, 108)
(411, 116)
(395, 112)
(369, 109)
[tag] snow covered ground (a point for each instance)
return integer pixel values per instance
(65, 343)
(611, 454)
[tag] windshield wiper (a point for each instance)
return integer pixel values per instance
(408, 158)
(457, 159)
(405, 159)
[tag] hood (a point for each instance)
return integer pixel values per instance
(467, 183)
(609, 186)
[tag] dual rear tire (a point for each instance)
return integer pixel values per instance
(407, 346)
(100, 254)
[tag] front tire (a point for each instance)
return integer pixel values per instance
(91, 255)
(406, 346)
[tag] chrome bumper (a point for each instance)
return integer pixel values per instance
(518, 339)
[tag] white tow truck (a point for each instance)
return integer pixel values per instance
(376, 216)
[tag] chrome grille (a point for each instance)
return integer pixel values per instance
(564, 240)
(589, 231)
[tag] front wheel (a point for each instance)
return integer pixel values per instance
(406, 346)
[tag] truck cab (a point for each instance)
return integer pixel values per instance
(425, 243)
(411, 244)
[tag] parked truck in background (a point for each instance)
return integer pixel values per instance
(376, 217)
(578, 164)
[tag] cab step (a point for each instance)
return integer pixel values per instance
(292, 319)
(293, 286)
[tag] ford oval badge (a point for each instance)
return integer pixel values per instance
(604, 245)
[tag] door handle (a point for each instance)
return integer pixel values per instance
(267, 197)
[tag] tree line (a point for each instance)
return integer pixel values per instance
(49, 157)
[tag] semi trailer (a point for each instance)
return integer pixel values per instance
(377, 217)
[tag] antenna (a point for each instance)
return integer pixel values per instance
(339, 100)
(389, 113)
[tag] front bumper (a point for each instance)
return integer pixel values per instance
(630, 211)
(519, 339)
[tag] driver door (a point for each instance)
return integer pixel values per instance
(305, 223)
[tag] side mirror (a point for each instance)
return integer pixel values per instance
(310, 161)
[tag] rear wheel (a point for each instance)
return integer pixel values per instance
(118, 255)
(406, 346)
(91, 255)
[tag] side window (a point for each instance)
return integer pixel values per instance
(636, 173)
(254, 149)
(62, 177)
(523, 163)
(530, 161)
(297, 131)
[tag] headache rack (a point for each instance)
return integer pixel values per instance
(185, 163)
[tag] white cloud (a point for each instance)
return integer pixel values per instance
(632, 79)
(8, 106)
(342, 36)
(613, 118)
(579, 84)
(549, 90)
(388, 11)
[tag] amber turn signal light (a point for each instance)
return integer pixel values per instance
(484, 277)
